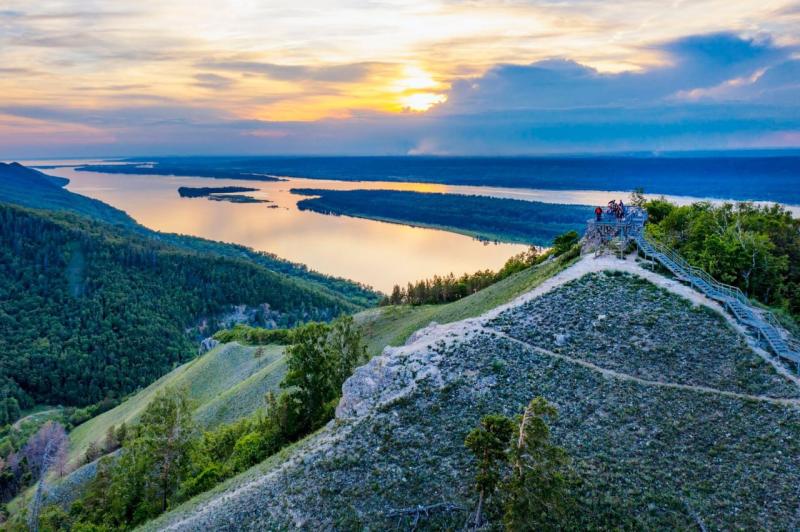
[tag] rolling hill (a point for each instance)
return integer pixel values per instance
(223, 385)
(673, 418)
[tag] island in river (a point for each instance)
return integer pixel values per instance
(221, 194)
(202, 192)
(485, 218)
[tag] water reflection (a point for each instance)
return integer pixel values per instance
(376, 253)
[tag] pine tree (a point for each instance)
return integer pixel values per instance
(165, 434)
(489, 443)
(535, 491)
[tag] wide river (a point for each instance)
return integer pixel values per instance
(376, 253)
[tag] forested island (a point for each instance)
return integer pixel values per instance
(202, 192)
(486, 218)
(221, 194)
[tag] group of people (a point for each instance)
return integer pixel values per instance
(615, 208)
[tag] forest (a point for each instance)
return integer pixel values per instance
(91, 312)
(756, 248)
(486, 218)
(447, 288)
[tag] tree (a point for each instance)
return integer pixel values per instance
(638, 198)
(165, 434)
(521, 469)
(309, 371)
(489, 443)
(397, 296)
(346, 350)
(154, 460)
(93, 452)
(45, 450)
(320, 359)
(563, 243)
(536, 488)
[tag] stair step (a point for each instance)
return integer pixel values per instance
(741, 310)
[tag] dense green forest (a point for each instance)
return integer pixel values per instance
(756, 248)
(89, 311)
(496, 219)
(447, 288)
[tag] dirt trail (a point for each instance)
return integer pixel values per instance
(18, 423)
(626, 377)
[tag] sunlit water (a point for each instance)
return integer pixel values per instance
(375, 253)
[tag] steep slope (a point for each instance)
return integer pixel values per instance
(672, 419)
(230, 371)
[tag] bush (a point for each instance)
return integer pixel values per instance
(247, 335)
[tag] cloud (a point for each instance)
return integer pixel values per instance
(343, 73)
(696, 62)
(710, 92)
(213, 81)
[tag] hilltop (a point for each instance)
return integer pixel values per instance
(27, 187)
(673, 417)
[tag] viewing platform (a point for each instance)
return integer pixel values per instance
(629, 228)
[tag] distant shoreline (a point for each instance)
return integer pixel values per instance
(740, 177)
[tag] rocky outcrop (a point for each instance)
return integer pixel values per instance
(207, 345)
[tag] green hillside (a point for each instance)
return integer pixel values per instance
(225, 384)
(664, 433)
(30, 188)
(392, 325)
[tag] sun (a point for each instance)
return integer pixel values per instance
(421, 101)
(417, 90)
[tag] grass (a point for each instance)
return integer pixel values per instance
(231, 374)
(650, 457)
(392, 325)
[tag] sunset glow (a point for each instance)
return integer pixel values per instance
(116, 71)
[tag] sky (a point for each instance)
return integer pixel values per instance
(481, 77)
